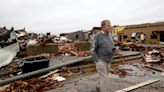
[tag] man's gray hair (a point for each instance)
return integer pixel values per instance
(104, 22)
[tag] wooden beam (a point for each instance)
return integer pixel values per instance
(138, 85)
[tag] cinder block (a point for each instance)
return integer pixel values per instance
(34, 63)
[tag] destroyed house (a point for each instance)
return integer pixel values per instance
(150, 33)
(7, 37)
(93, 31)
(77, 36)
(20, 32)
(63, 34)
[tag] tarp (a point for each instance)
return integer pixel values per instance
(8, 53)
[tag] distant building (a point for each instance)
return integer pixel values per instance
(76, 36)
(95, 30)
(92, 32)
(150, 33)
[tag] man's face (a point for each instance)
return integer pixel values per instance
(107, 27)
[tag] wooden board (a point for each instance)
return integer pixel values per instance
(138, 85)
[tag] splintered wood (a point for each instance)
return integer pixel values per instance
(69, 49)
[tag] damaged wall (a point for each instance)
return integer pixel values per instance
(77, 36)
(153, 33)
(38, 49)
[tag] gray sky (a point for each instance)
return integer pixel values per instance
(58, 16)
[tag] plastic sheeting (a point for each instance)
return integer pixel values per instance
(8, 53)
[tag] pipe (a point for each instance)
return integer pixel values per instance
(7, 81)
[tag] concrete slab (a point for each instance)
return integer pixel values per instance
(88, 83)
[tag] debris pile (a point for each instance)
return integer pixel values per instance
(8, 46)
(130, 70)
(19, 62)
(51, 80)
(32, 85)
(70, 49)
(29, 39)
(152, 56)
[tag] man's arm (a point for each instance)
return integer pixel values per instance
(94, 46)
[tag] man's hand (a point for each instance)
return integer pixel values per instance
(117, 51)
(99, 60)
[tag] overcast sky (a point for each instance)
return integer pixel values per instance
(59, 16)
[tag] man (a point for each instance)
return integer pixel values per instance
(102, 50)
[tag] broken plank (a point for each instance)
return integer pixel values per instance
(74, 53)
(44, 76)
(138, 85)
